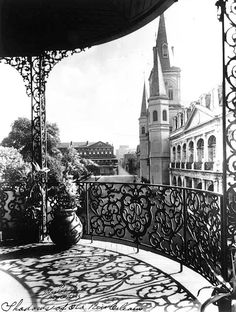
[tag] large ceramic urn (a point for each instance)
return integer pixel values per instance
(66, 228)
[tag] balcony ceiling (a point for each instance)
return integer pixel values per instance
(29, 27)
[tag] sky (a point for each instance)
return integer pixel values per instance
(96, 95)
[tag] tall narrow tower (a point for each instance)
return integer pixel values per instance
(162, 45)
(171, 74)
(143, 138)
(158, 124)
(163, 103)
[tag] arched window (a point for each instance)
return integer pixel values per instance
(188, 182)
(211, 187)
(174, 153)
(164, 115)
(199, 186)
(179, 181)
(174, 181)
(181, 120)
(200, 150)
(165, 50)
(190, 148)
(154, 115)
(176, 123)
(184, 152)
(211, 148)
(178, 153)
(170, 93)
(143, 130)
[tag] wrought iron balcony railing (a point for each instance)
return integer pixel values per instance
(183, 224)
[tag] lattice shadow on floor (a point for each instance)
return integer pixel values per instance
(91, 278)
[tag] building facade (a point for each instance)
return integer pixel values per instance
(196, 144)
(99, 152)
(157, 111)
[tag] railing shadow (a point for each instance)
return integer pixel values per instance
(87, 277)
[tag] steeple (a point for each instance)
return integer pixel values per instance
(162, 44)
(144, 106)
(157, 85)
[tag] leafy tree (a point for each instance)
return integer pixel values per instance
(20, 142)
(12, 166)
(20, 137)
(76, 166)
(55, 174)
(53, 138)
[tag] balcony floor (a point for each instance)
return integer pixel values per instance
(95, 276)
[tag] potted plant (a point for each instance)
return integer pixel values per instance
(65, 229)
(52, 185)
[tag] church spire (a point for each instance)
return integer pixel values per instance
(144, 106)
(157, 85)
(162, 44)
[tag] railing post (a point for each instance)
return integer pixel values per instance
(224, 249)
(224, 182)
(227, 124)
(87, 211)
(185, 227)
(38, 129)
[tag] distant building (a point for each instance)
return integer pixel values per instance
(101, 153)
(123, 149)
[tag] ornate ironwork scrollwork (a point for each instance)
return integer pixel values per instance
(228, 18)
(227, 15)
(203, 232)
(120, 211)
(136, 209)
(104, 204)
(11, 209)
(167, 234)
(184, 224)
